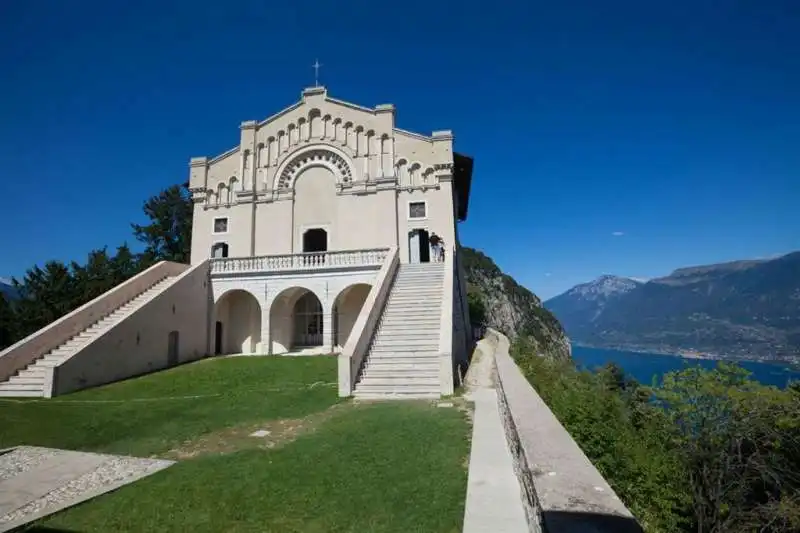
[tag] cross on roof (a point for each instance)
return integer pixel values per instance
(316, 66)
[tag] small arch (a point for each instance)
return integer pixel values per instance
(427, 176)
(314, 124)
(221, 193)
(295, 320)
(402, 171)
(237, 321)
(292, 134)
(413, 174)
(346, 307)
(233, 185)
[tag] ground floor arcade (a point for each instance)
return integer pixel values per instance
(290, 315)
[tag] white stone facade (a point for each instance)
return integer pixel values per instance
(299, 217)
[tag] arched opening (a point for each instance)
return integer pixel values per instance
(346, 309)
(296, 321)
(419, 248)
(237, 323)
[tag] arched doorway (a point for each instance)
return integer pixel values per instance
(315, 240)
(237, 323)
(419, 247)
(296, 321)
(346, 309)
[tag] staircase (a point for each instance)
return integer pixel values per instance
(403, 359)
(30, 381)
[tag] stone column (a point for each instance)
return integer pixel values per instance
(266, 339)
(327, 331)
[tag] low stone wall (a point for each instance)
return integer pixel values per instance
(562, 490)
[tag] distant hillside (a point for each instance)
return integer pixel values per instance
(743, 309)
(511, 308)
(8, 290)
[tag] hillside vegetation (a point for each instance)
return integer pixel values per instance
(709, 451)
(499, 302)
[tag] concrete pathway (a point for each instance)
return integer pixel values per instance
(36, 482)
(494, 498)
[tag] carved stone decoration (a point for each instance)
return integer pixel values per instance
(318, 157)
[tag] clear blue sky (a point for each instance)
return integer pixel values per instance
(677, 126)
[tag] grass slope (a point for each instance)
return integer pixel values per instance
(391, 466)
(148, 415)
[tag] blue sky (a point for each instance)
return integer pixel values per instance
(629, 138)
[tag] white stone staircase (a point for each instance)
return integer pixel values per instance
(403, 358)
(30, 381)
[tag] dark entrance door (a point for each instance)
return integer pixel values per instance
(424, 247)
(172, 353)
(315, 241)
(218, 338)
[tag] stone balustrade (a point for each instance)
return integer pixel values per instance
(311, 261)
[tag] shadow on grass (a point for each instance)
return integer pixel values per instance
(581, 522)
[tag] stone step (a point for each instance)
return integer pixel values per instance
(401, 382)
(394, 334)
(8, 386)
(419, 282)
(431, 343)
(362, 390)
(403, 375)
(401, 308)
(402, 363)
(377, 397)
(28, 393)
(382, 353)
(32, 371)
(409, 327)
(21, 380)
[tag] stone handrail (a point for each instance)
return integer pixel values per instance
(373, 257)
(446, 383)
(352, 356)
(562, 490)
(19, 355)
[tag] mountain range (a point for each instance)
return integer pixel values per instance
(739, 310)
(7, 289)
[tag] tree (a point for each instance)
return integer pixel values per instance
(168, 236)
(8, 323)
(45, 295)
(740, 442)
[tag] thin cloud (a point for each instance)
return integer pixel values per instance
(618, 233)
(547, 274)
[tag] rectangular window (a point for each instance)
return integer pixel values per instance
(221, 225)
(417, 210)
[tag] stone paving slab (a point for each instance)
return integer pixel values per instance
(494, 501)
(36, 482)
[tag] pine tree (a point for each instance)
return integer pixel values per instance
(168, 236)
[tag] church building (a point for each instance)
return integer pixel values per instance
(327, 230)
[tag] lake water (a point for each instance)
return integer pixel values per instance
(644, 366)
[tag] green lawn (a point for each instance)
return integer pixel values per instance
(327, 465)
(148, 415)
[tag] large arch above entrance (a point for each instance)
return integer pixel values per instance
(319, 155)
(236, 324)
(346, 308)
(296, 321)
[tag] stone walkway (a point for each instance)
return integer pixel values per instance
(494, 500)
(35, 482)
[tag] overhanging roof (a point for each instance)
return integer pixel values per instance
(462, 178)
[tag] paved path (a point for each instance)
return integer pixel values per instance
(494, 499)
(35, 482)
